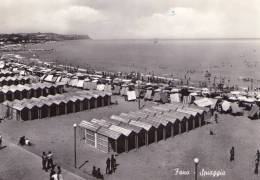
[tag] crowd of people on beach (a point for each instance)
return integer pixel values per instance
(48, 164)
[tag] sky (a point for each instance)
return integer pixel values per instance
(126, 19)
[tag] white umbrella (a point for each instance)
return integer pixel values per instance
(235, 92)
(232, 98)
(250, 100)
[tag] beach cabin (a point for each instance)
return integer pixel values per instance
(155, 132)
(129, 136)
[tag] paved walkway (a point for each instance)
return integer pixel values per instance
(18, 163)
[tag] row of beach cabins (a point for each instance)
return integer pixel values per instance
(28, 91)
(54, 105)
(127, 131)
(14, 80)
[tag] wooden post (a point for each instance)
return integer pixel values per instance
(73, 107)
(81, 106)
(164, 133)
(146, 138)
(102, 101)
(126, 144)
(136, 141)
(172, 130)
(12, 96)
(39, 113)
(29, 114)
(180, 128)
(49, 112)
(66, 108)
(88, 104)
(96, 102)
(109, 100)
(187, 125)
(116, 146)
(57, 110)
(19, 115)
(155, 135)
(35, 93)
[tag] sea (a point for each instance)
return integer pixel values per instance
(234, 61)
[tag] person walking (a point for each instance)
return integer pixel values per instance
(232, 154)
(99, 175)
(50, 160)
(94, 171)
(44, 161)
(257, 155)
(108, 165)
(51, 174)
(216, 117)
(59, 175)
(113, 163)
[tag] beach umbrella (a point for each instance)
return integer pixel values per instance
(250, 100)
(235, 92)
(241, 98)
(193, 94)
(218, 97)
(251, 94)
(232, 98)
(175, 90)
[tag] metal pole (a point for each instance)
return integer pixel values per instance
(139, 100)
(75, 143)
(196, 171)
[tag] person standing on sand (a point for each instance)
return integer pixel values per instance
(257, 155)
(94, 171)
(113, 163)
(59, 173)
(216, 117)
(99, 175)
(232, 154)
(49, 160)
(108, 163)
(51, 174)
(44, 161)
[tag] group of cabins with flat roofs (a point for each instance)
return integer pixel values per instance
(59, 104)
(28, 91)
(121, 133)
(14, 80)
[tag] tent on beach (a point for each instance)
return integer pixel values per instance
(116, 90)
(131, 96)
(254, 112)
(176, 97)
(235, 109)
(148, 95)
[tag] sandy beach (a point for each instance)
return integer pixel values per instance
(157, 161)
